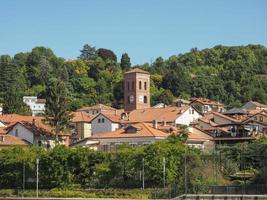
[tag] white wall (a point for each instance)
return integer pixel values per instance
(23, 133)
(36, 108)
(187, 117)
(103, 127)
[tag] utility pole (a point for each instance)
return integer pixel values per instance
(23, 179)
(37, 177)
(164, 171)
(143, 173)
(185, 173)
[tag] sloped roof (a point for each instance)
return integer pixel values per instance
(81, 116)
(112, 116)
(168, 114)
(10, 140)
(235, 111)
(143, 130)
(2, 130)
(226, 117)
(182, 101)
(198, 135)
(136, 70)
(96, 107)
(11, 118)
(206, 101)
(258, 104)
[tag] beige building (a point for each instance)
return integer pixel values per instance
(81, 122)
(136, 90)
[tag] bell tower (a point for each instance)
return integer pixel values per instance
(136, 89)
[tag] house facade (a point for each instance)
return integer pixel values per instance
(137, 134)
(36, 105)
(105, 122)
(254, 105)
(204, 105)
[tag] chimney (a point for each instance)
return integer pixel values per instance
(155, 124)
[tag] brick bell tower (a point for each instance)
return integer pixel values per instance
(136, 89)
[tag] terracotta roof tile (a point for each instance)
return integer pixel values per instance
(144, 130)
(168, 114)
(205, 101)
(11, 118)
(10, 140)
(136, 70)
(81, 116)
(100, 107)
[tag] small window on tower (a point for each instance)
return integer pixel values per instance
(145, 85)
(140, 85)
(145, 99)
(128, 85)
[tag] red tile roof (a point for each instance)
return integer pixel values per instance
(168, 114)
(136, 70)
(81, 116)
(10, 140)
(99, 107)
(205, 101)
(143, 130)
(11, 118)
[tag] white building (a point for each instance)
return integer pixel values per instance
(37, 106)
(105, 122)
(1, 109)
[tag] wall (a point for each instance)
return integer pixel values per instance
(187, 117)
(101, 127)
(23, 133)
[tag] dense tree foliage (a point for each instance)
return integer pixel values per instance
(231, 75)
(122, 168)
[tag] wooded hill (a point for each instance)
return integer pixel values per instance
(232, 75)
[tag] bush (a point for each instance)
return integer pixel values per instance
(7, 193)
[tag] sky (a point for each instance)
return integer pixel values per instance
(145, 29)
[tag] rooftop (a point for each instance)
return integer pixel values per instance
(136, 70)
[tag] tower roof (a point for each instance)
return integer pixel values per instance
(137, 70)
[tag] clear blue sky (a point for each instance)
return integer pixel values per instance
(145, 29)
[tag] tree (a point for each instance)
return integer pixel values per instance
(88, 53)
(125, 62)
(106, 54)
(57, 105)
(166, 97)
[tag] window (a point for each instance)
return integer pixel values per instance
(103, 120)
(193, 111)
(16, 133)
(133, 85)
(128, 85)
(140, 85)
(145, 99)
(105, 147)
(189, 111)
(261, 118)
(255, 118)
(99, 120)
(145, 86)
(128, 99)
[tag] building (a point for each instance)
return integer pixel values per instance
(11, 141)
(204, 105)
(1, 108)
(36, 105)
(106, 122)
(200, 139)
(258, 122)
(166, 116)
(181, 102)
(34, 130)
(37, 133)
(137, 134)
(254, 105)
(136, 90)
(81, 123)
(94, 110)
